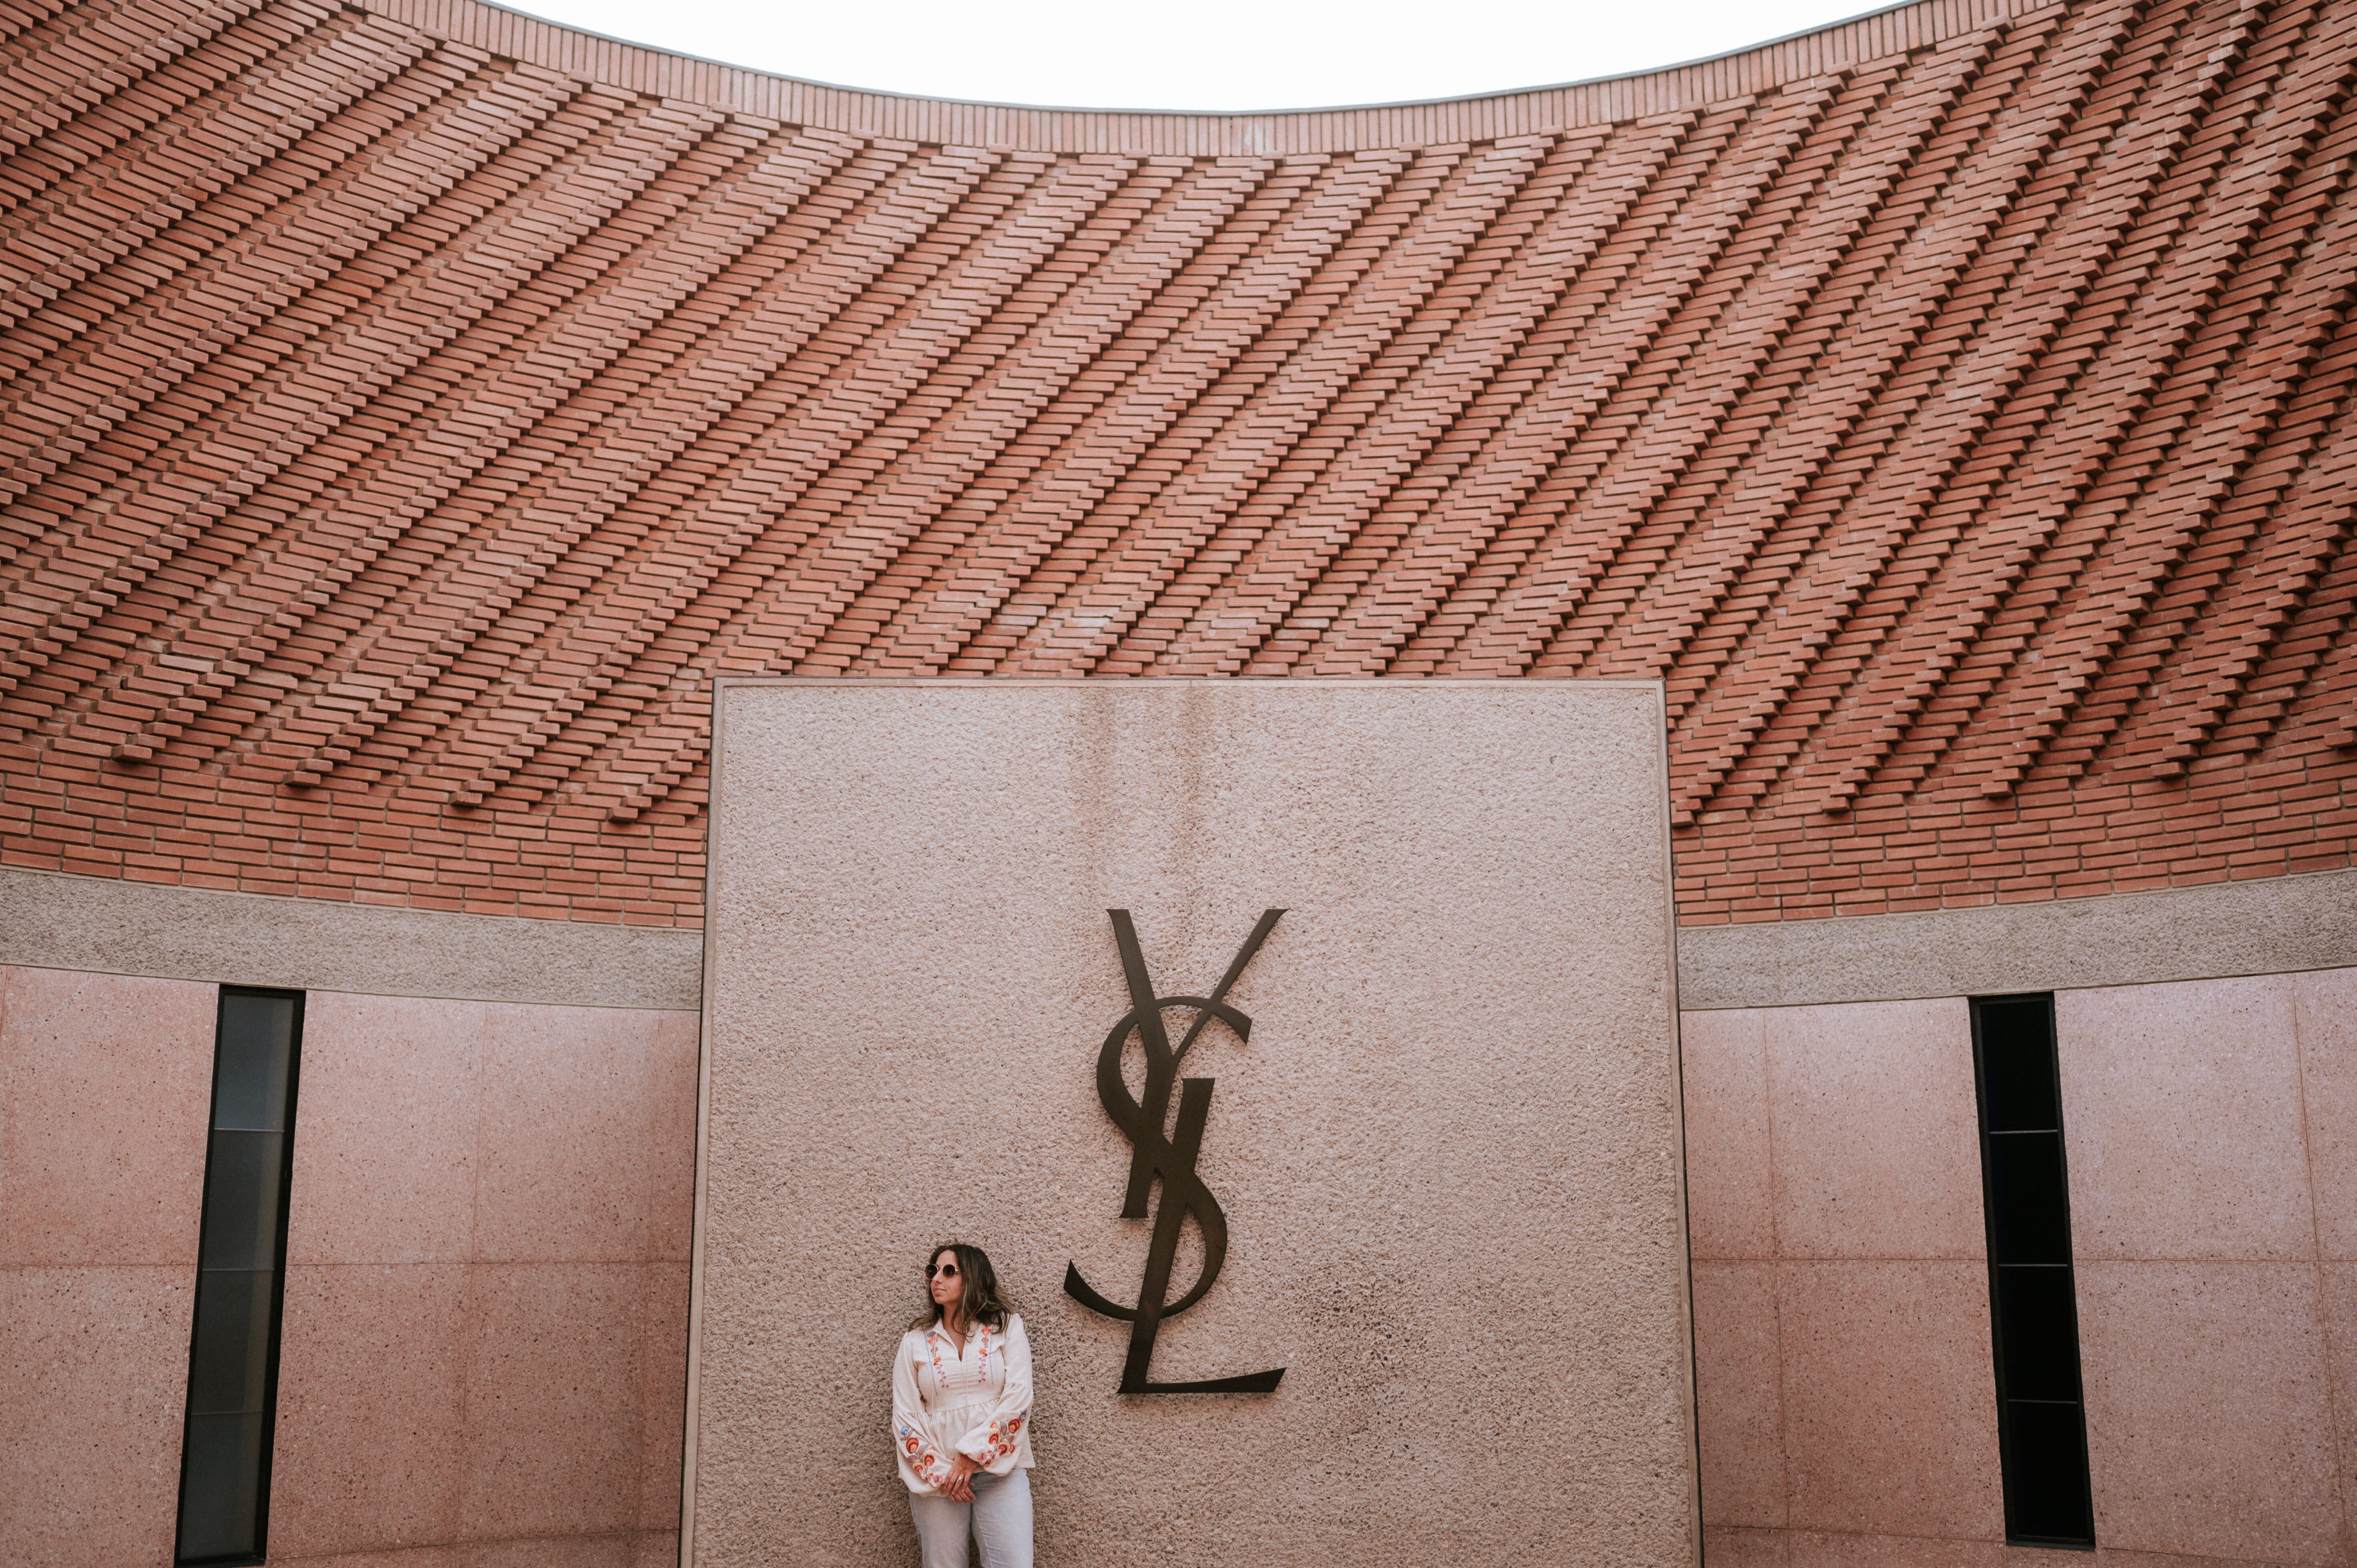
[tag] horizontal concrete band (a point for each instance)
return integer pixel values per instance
(1844, 45)
(2275, 926)
(50, 920)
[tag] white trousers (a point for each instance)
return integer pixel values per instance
(999, 1518)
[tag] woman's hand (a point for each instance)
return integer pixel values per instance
(959, 1487)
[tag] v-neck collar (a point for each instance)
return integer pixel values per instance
(980, 1331)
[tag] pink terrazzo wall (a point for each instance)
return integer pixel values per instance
(1847, 1398)
(484, 1342)
(485, 1311)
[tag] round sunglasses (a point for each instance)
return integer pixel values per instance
(947, 1270)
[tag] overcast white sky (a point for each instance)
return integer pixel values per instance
(1203, 54)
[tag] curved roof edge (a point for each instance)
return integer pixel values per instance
(859, 112)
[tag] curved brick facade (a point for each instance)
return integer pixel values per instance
(409, 408)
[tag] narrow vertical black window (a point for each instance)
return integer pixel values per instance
(2042, 1423)
(240, 1268)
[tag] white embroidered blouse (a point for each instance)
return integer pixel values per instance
(946, 1402)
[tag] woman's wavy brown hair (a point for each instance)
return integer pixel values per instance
(978, 1297)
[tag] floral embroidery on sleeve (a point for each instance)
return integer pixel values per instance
(922, 1456)
(1001, 1436)
(996, 1436)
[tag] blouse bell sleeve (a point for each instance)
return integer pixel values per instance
(997, 1434)
(920, 1457)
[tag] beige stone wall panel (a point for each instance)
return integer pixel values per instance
(1447, 1156)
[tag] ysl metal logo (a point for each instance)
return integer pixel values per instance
(1171, 1158)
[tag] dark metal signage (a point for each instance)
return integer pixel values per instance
(1171, 1158)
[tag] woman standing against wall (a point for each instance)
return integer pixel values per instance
(962, 1416)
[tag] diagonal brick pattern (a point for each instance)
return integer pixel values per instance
(406, 409)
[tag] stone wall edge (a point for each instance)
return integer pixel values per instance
(58, 921)
(2268, 926)
(2277, 925)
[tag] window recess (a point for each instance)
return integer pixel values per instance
(2033, 1301)
(241, 1276)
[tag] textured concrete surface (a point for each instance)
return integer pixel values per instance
(2272, 926)
(52, 920)
(1448, 1155)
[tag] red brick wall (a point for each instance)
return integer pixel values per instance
(398, 437)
